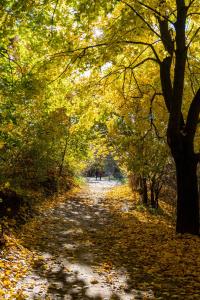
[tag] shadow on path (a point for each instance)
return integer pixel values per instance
(89, 252)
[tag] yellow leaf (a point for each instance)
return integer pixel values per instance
(2, 144)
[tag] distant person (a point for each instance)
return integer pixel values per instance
(100, 175)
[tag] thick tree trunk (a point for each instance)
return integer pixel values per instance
(142, 188)
(152, 199)
(187, 195)
(155, 188)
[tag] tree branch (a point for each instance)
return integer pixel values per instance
(157, 13)
(141, 63)
(65, 69)
(84, 49)
(139, 89)
(176, 118)
(139, 55)
(52, 19)
(193, 37)
(193, 116)
(141, 17)
(106, 44)
(190, 4)
(191, 74)
(145, 44)
(193, 13)
(11, 60)
(166, 36)
(151, 115)
(166, 81)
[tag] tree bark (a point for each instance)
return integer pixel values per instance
(155, 188)
(180, 135)
(63, 158)
(142, 189)
(187, 195)
(153, 204)
(145, 193)
(182, 149)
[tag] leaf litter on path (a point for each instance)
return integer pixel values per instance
(85, 245)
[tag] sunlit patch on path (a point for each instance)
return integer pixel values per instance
(73, 260)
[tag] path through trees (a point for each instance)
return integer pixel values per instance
(97, 244)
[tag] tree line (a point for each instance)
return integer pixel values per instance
(124, 74)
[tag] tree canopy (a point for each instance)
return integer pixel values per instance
(77, 75)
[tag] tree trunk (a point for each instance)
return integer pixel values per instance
(152, 190)
(187, 195)
(143, 190)
(157, 193)
(145, 193)
(63, 158)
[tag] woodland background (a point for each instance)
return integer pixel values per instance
(84, 82)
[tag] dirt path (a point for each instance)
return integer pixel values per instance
(72, 251)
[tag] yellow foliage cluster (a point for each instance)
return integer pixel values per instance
(15, 263)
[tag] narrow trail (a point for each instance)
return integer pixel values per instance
(96, 243)
(71, 246)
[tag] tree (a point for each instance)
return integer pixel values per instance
(141, 151)
(163, 34)
(44, 131)
(181, 133)
(155, 41)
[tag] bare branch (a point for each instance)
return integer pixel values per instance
(193, 115)
(151, 115)
(105, 77)
(7, 56)
(191, 82)
(141, 94)
(139, 55)
(157, 132)
(141, 17)
(157, 13)
(193, 14)
(188, 34)
(193, 37)
(84, 49)
(123, 84)
(65, 69)
(52, 19)
(190, 3)
(64, 53)
(141, 63)
(142, 43)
